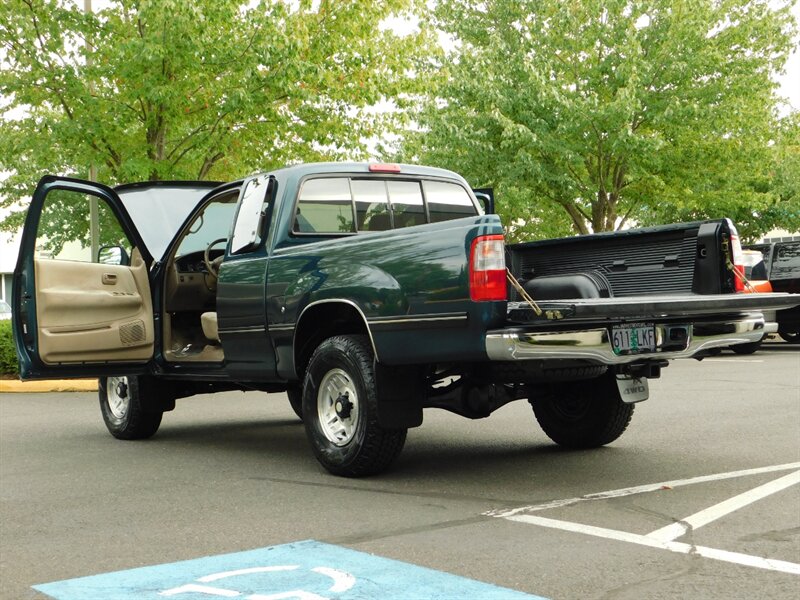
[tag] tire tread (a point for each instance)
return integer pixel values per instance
(380, 446)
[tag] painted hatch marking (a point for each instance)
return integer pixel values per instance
(664, 537)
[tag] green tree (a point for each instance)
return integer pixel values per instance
(209, 89)
(775, 186)
(593, 114)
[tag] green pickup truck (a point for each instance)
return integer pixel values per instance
(366, 293)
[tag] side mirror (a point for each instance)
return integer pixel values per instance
(113, 255)
(486, 197)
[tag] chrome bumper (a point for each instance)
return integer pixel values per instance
(672, 341)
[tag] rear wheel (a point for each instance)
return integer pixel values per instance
(582, 414)
(121, 404)
(340, 410)
(793, 337)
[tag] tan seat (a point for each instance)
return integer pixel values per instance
(208, 321)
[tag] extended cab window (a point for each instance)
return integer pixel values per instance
(447, 201)
(372, 204)
(407, 204)
(325, 206)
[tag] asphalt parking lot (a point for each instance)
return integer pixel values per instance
(699, 498)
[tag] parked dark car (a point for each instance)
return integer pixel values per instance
(782, 260)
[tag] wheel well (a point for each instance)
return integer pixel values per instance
(320, 322)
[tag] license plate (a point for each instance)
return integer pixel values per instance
(633, 339)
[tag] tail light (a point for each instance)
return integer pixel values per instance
(737, 258)
(487, 269)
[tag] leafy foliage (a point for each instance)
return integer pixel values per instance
(65, 218)
(8, 354)
(209, 89)
(591, 115)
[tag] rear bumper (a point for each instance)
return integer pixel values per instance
(594, 345)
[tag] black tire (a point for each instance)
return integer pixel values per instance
(793, 337)
(295, 395)
(122, 409)
(749, 348)
(343, 431)
(582, 414)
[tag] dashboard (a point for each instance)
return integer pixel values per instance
(189, 286)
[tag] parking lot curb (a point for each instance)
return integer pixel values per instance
(48, 385)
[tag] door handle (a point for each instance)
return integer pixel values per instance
(109, 279)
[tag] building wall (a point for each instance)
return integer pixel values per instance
(9, 248)
(780, 235)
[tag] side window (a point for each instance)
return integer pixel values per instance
(447, 201)
(325, 206)
(407, 205)
(65, 231)
(372, 204)
(250, 219)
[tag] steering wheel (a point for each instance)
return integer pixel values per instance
(213, 265)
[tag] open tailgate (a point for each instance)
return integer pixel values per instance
(649, 307)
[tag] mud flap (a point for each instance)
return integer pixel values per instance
(156, 395)
(633, 389)
(401, 393)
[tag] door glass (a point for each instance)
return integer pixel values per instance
(65, 231)
(249, 220)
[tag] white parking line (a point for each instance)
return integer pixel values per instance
(679, 547)
(704, 517)
(664, 538)
(640, 489)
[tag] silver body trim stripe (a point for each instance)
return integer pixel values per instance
(421, 319)
(255, 329)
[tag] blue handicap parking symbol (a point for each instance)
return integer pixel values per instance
(306, 570)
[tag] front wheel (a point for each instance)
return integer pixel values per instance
(582, 414)
(793, 337)
(122, 408)
(340, 410)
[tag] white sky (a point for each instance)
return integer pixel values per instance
(790, 81)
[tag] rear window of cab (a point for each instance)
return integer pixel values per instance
(341, 205)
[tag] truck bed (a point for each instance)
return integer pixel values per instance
(673, 259)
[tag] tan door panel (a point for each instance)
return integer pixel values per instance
(90, 312)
